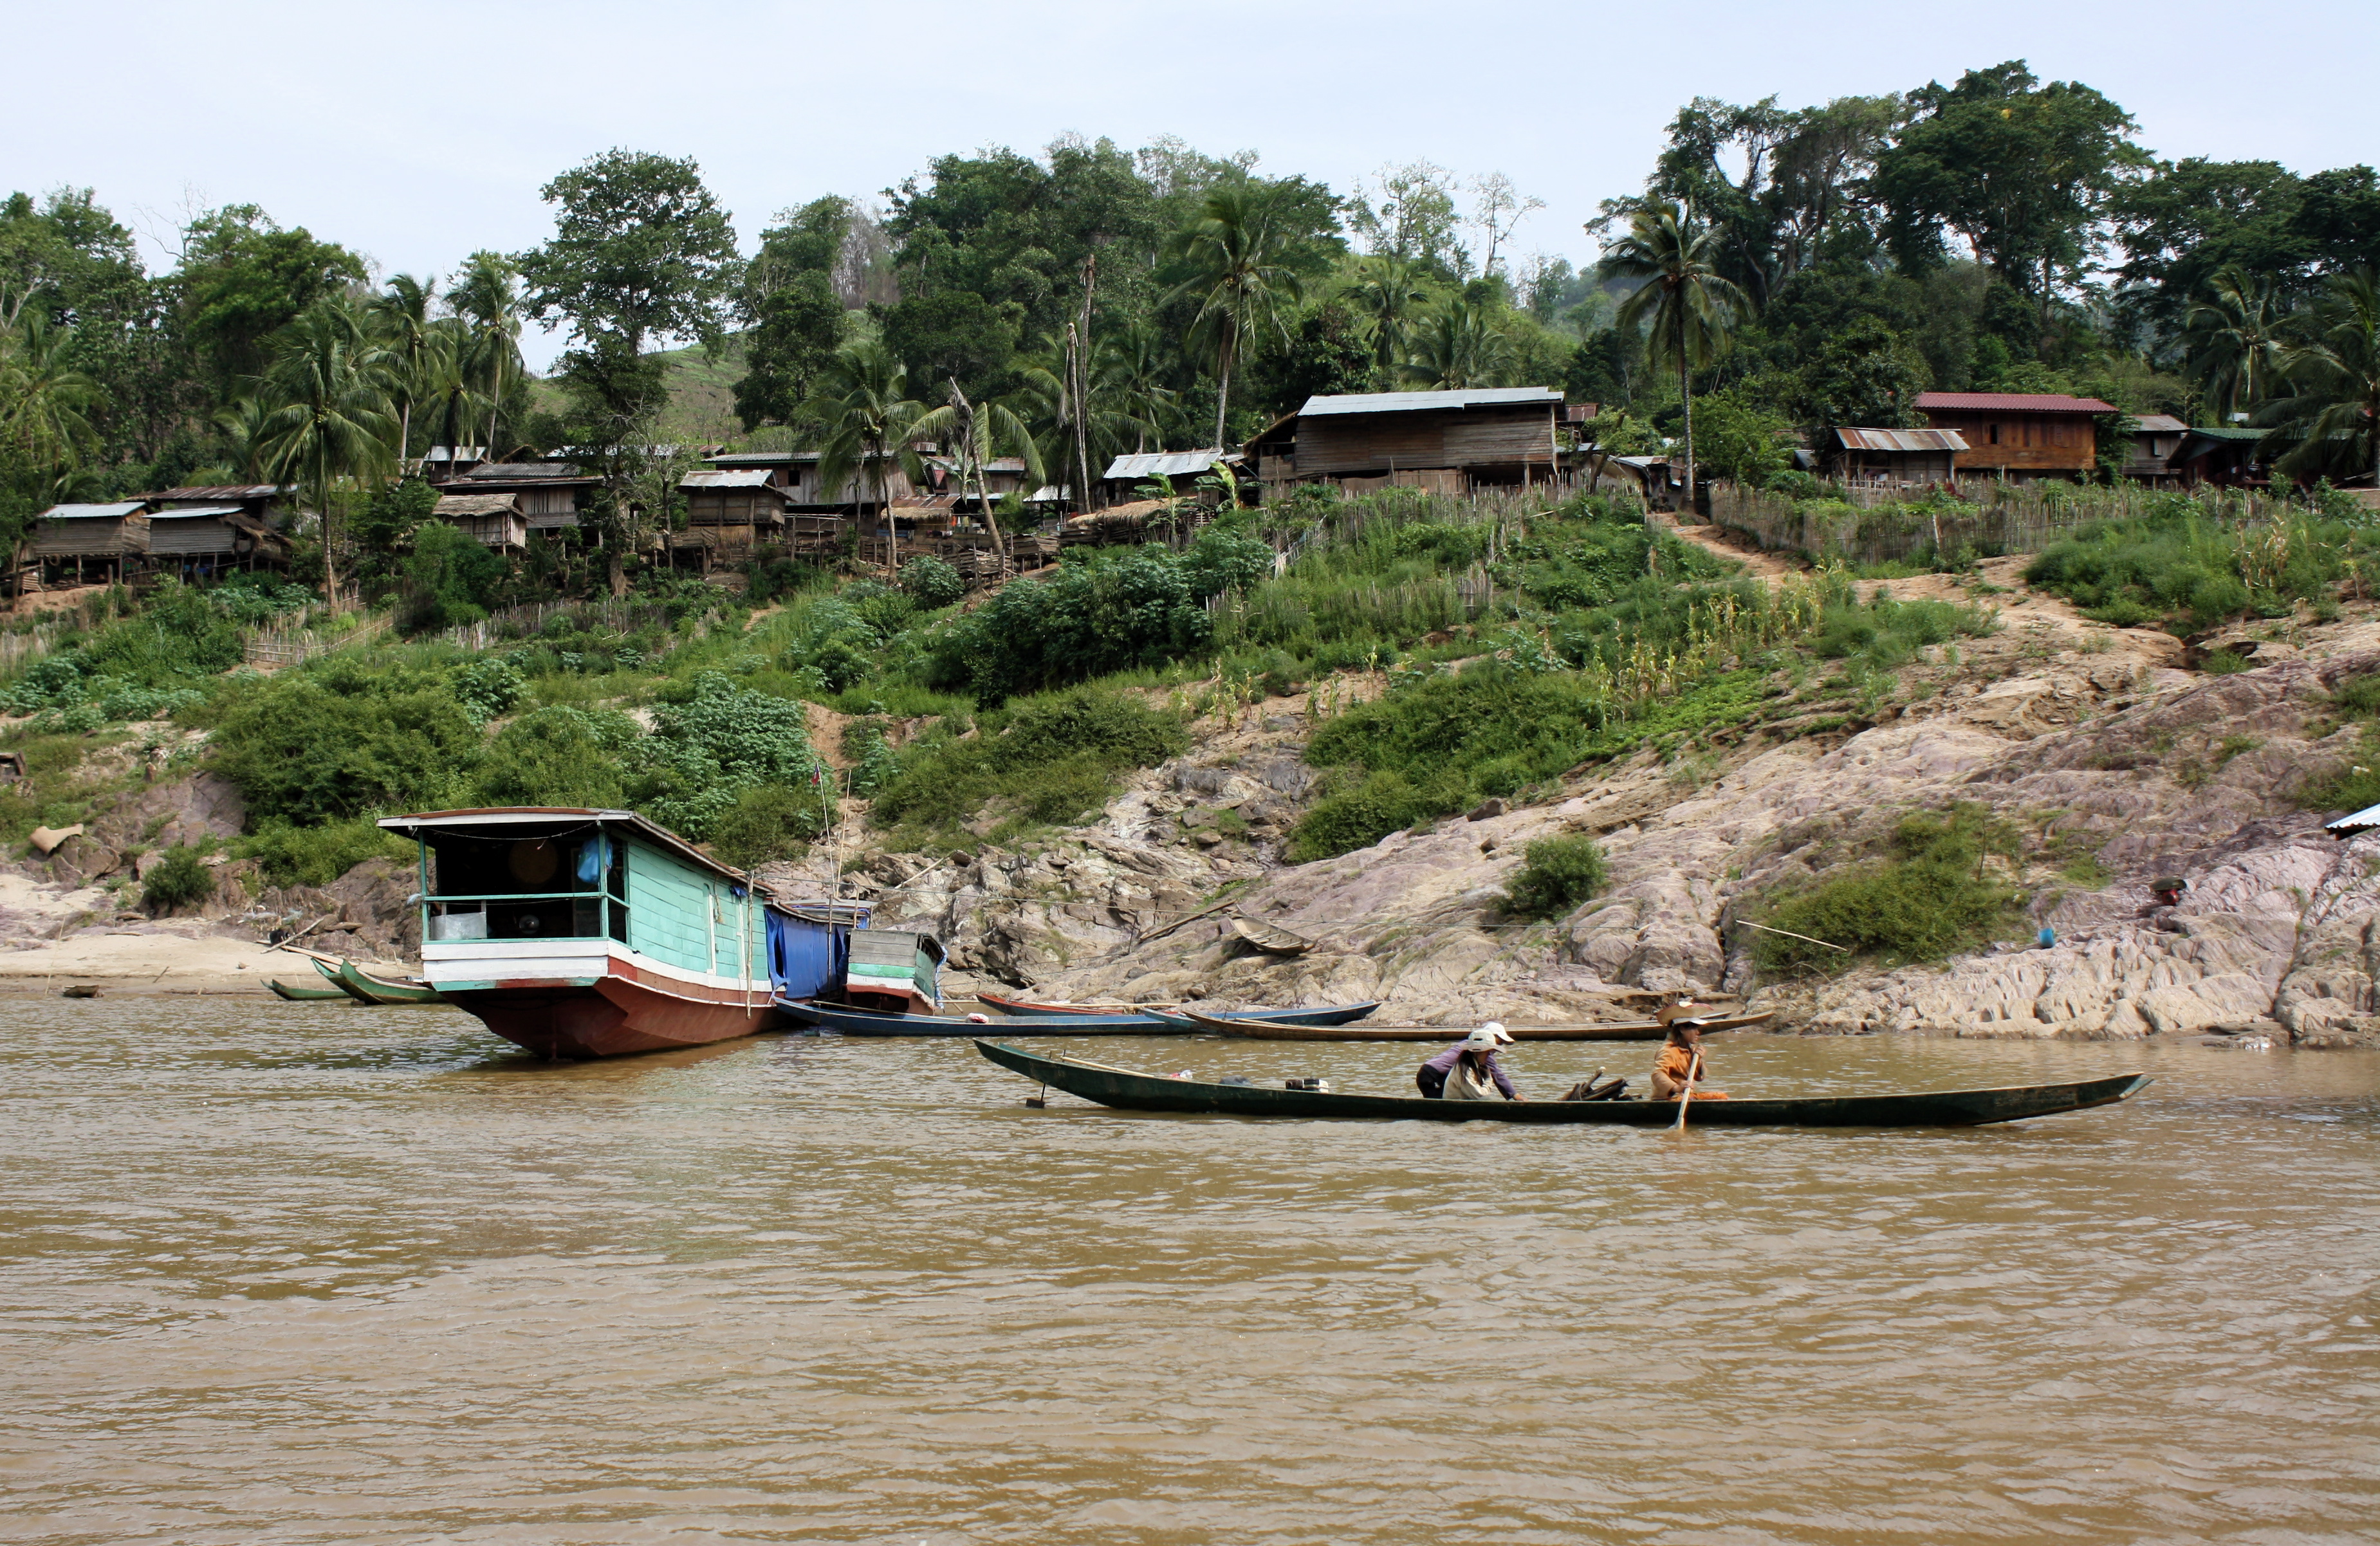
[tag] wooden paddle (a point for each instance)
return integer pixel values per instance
(1693, 1071)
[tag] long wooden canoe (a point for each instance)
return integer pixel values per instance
(378, 990)
(300, 994)
(861, 1022)
(1128, 1091)
(1311, 1015)
(1250, 1028)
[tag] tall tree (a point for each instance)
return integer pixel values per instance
(976, 434)
(2331, 416)
(1462, 343)
(1241, 275)
(870, 421)
(329, 383)
(243, 278)
(44, 398)
(789, 303)
(2235, 341)
(1389, 294)
(641, 254)
(487, 302)
(1687, 307)
(401, 314)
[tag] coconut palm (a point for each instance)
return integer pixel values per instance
(976, 434)
(870, 423)
(1240, 277)
(1459, 346)
(329, 421)
(1130, 373)
(2235, 338)
(2331, 413)
(43, 396)
(242, 426)
(1389, 294)
(1690, 307)
(486, 296)
(401, 316)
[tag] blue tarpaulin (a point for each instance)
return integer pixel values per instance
(809, 948)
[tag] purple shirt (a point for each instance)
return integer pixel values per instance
(1444, 1063)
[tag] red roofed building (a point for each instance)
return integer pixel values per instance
(2020, 434)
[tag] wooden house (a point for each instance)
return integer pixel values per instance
(2156, 437)
(1178, 470)
(495, 521)
(798, 473)
(2226, 457)
(551, 495)
(2019, 435)
(731, 513)
(201, 540)
(106, 538)
(1446, 441)
(260, 502)
(1894, 459)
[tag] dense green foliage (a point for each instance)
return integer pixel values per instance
(1934, 893)
(1556, 875)
(1049, 758)
(178, 879)
(2185, 564)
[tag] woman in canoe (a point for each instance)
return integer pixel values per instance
(1468, 1070)
(1681, 1063)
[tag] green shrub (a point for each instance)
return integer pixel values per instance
(1103, 612)
(488, 686)
(1556, 875)
(180, 877)
(2222, 663)
(304, 752)
(319, 855)
(766, 822)
(449, 578)
(560, 756)
(705, 752)
(1054, 759)
(1929, 897)
(931, 583)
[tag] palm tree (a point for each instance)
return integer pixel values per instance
(1693, 309)
(486, 295)
(1390, 296)
(1458, 346)
(43, 396)
(2235, 341)
(1239, 276)
(401, 315)
(2333, 410)
(976, 434)
(1131, 372)
(870, 423)
(242, 425)
(329, 385)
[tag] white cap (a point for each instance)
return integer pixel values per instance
(1486, 1037)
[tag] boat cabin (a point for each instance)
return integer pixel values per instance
(894, 971)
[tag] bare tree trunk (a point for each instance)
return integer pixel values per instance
(1686, 392)
(1083, 378)
(1223, 382)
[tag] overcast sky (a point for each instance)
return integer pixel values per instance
(418, 133)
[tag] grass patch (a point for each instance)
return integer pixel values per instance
(1930, 895)
(1045, 759)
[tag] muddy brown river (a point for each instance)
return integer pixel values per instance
(303, 1274)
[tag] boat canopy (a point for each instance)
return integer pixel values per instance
(809, 946)
(553, 821)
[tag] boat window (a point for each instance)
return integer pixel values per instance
(474, 866)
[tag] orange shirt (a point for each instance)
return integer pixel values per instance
(1670, 1072)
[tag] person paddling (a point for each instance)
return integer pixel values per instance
(1468, 1070)
(1680, 1065)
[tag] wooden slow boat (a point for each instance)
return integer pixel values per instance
(861, 1022)
(589, 933)
(1249, 1028)
(300, 993)
(1129, 1091)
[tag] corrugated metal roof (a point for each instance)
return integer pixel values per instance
(2012, 402)
(218, 491)
(521, 472)
(116, 511)
(761, 458)
(2362, 821)
(216, 511)
(1900, 440)
(2158, 423)
(450, 506)
(726, 477)
(1410, 402)
(2229, 433)
(1162, 464)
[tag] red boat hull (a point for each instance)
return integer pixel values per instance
(627, 1011)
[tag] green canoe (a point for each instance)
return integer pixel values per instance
(298, 994)
(1950, 1108)
(378, 990)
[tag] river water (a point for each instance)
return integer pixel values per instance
(296, 1273)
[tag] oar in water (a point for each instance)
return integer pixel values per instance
(1693, 1072)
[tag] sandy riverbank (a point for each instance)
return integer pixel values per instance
(152, 958)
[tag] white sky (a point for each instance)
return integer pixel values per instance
(420, 131)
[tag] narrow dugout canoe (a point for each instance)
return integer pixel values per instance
(861, 1022)
(378, 990)
(297, 993)
(1313, 1015)
(1249, 1028)
(1128, 1091)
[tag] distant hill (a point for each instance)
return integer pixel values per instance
(702, 393)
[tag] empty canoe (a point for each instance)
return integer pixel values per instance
(861, 1022)
(1129, 1091)
(300, 993)
(1248, 1028)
